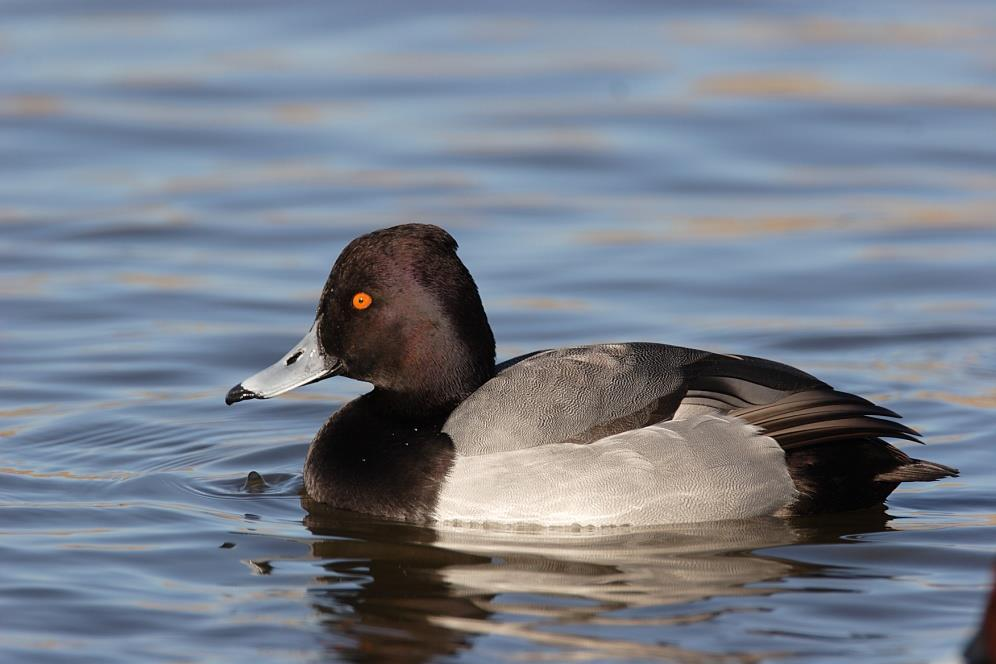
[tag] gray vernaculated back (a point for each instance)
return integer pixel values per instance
(571, 394)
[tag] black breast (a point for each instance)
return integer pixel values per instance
(369, 459)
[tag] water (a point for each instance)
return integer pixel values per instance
(761, 178)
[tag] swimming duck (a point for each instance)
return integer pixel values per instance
(609, 434)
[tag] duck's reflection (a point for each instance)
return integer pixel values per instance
(404, 593)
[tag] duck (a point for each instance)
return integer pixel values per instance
(612, 434)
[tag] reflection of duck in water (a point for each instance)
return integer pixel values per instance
(382, 590)
(611, 434)
(405, 593)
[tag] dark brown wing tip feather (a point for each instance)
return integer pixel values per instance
(814, 417)
(918, 471)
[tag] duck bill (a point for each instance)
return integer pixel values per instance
(304, 364)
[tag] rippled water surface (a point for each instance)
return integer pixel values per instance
(176, 178)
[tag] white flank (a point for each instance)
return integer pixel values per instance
(704, 468)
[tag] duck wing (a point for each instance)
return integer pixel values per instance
(794, 408)
(585, 393)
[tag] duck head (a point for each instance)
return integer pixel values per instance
(399, 310)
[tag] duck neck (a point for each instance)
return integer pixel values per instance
(431, 399)
(434, 377)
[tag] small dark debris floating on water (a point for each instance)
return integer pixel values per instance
(254, 483)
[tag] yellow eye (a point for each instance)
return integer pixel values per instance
(362, 300)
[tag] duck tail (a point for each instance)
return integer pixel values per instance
(917, 470)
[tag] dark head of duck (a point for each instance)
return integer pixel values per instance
(401, 311)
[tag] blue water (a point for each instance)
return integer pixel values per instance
(812, 184)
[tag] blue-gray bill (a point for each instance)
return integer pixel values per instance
(305, 363)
